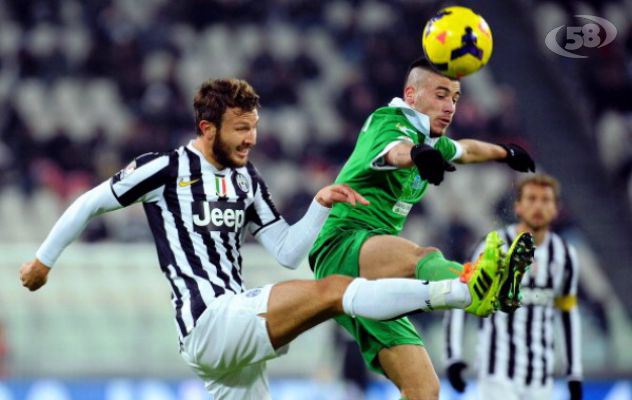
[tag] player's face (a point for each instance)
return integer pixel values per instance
(436, 97)
(537, 207)
(237, 136)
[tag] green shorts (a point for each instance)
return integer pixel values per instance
(339, 253)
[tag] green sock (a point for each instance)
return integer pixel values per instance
(434, 267)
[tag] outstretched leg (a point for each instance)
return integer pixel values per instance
(296, 306)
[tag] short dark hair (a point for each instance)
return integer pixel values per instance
(423, 63)
(216, 95)
(539, 180)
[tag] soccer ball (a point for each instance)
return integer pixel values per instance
(457, 42)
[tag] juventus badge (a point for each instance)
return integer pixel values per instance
(242, 182)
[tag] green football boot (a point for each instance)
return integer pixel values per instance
(484, 277)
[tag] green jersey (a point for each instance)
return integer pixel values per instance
(392, 191)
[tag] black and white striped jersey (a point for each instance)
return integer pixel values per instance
(198, 216)
(520, 346)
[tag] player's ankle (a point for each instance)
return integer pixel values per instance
(449, 293)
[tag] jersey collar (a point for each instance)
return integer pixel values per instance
(420, 121)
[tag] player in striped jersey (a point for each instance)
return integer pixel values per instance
(516, 350)
(200, 199)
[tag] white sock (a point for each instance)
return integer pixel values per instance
(384, 299)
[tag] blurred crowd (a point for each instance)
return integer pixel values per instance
(603, 79)
(87, 86)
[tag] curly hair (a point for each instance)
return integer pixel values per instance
(216, 95)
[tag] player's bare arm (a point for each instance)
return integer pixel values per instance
(432, 165)
(476, 151)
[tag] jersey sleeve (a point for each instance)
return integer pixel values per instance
(142, 180)
(290, 244)
(95, 202)
(570, 275)
(449, 149)
(566, 303)
(262, 212)
(379, 135)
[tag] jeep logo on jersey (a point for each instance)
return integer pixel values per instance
(219, 216)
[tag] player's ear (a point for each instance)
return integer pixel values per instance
(409, 95)
(207, 129)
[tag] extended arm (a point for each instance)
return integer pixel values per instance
(139, 181)
(289, 244)
(92, 203)
(513, 155)
(432, 166)
(475, 151)
(472, 151)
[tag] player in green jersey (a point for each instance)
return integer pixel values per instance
(399, 151)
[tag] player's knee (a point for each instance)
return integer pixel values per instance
(332, 289)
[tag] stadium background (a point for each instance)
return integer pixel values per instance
(86, 86)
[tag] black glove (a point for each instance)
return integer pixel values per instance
(455, 375)
(576, 390)
(518, 158)
(430, 163)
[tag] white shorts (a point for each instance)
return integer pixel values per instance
(229, 346)
(503, 389)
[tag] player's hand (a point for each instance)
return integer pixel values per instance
(455, 375)
(33, 274)
(339, 193)
(575, 389)
(430, 163)
(518, 158)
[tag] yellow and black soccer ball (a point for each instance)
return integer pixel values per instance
(457, 42)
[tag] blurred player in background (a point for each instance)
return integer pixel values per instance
(516, 350)
(400, 150)
(199, 200)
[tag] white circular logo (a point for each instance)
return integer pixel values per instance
(242, 182)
